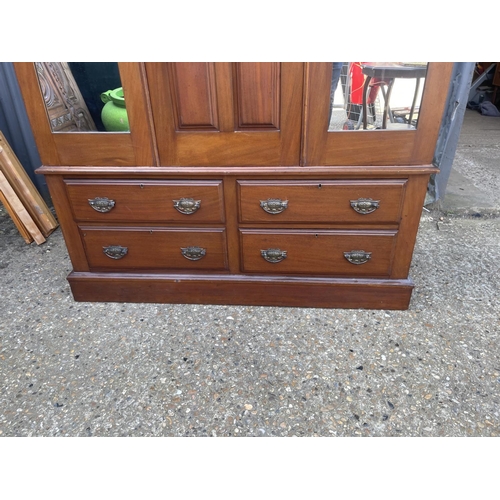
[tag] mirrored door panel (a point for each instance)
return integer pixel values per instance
(376, 95)
(88, 113)
(395, 108)
(83, 96)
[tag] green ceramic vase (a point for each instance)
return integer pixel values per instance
(114, 114)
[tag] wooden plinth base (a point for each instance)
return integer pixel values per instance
(242, 290)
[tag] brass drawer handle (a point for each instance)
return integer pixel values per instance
(358, 256)
(115, 251)
(274, 205)
(187, 206)
(193, 253)
(273, 255)
(102, 204)
(365, 205)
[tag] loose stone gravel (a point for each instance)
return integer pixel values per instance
(109, 369)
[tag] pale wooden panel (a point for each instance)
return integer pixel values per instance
(257, 95)
(194, 95)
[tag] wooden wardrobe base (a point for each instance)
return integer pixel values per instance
(238, 290)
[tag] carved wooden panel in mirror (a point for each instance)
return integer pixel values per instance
(83, 96)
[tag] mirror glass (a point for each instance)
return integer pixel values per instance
(83, 96)
(368, 96)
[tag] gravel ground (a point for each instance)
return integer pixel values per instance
(109, 369)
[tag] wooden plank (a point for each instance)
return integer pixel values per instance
(25, 189)
(18, 207)
(17, 221)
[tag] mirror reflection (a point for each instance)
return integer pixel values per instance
(83, 96)
(376, 95)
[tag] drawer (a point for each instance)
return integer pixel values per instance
(146, 201)
(362, 201)
(155, 248)
(317, 252)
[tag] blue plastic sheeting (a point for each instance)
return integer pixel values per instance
(451, 125)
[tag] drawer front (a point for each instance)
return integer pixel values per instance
(342, 253)
(155, 248)
(363, 202)
(146, 201)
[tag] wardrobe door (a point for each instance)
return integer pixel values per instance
(65, 104)
(373, 113)
(227, 114)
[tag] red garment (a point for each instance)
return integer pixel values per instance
(357, 83)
